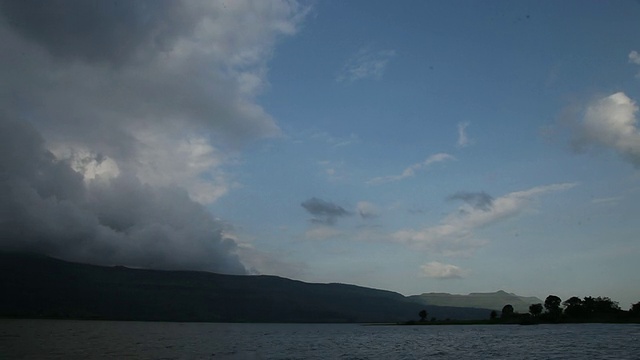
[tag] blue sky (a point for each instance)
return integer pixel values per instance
(414, 146)
(366, 90)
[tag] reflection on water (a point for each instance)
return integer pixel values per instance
(55, 339)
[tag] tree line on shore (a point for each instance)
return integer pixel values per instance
(554, 310)
(574, 309)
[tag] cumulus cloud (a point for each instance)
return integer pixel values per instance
(324, 212)
(365, 64)
(130, 80)
(50, 208)
(120, 118)
(478, 200)
(463, 140)
(438, 270)
(455, 233)
(411, 170)
(610, 123)
(367, 210)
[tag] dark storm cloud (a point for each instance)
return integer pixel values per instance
(324, 211)
(112, 31)
(48, 208)
(478, 200)
(158, 90)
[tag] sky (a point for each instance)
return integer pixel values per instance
(413, 146)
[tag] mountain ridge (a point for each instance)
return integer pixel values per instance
(41, 286)
(489, 300)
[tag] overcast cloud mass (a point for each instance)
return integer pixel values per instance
(139, 106)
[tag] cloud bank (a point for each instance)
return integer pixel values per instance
(50, 208)
(120, 118)
(165, 88)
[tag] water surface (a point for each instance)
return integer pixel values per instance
(62, 339)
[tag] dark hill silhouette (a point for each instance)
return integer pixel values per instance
(38, 286)
(494, 300)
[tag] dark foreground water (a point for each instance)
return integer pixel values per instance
(54, 339)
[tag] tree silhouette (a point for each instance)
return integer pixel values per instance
(535, 309)
(635, 309)
(573, 307)
(552, 304)
(507, 311)
(493, 315)
(423, 315)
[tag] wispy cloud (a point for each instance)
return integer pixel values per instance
(336, 141)
(634, 58)
(365, 64)
(455, 233)
(411, 170)
(333, 170)
(607, 200)
(610, 123)
(438, 270)
(463, 139)
(367, 210)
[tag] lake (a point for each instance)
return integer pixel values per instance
(66, 339)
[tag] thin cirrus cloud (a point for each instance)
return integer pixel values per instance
(411, 170)
(365, 64)
(463, 139)
(438, 270)
(454, 236)
(610, 123)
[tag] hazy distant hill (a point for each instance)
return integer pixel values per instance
(495, 300)
(37, 286)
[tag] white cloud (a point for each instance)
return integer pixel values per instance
(367, 210)
(365, 64)
(608, 200)
(411, 170)
(463, 140)
(439, 270)
(185, 79)
(454, 236)
(611, 123)
(634, 58)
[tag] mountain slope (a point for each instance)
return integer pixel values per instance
(37, 286)
(494, 301)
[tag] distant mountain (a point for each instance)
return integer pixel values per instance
(495, 300)
(38, 286)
